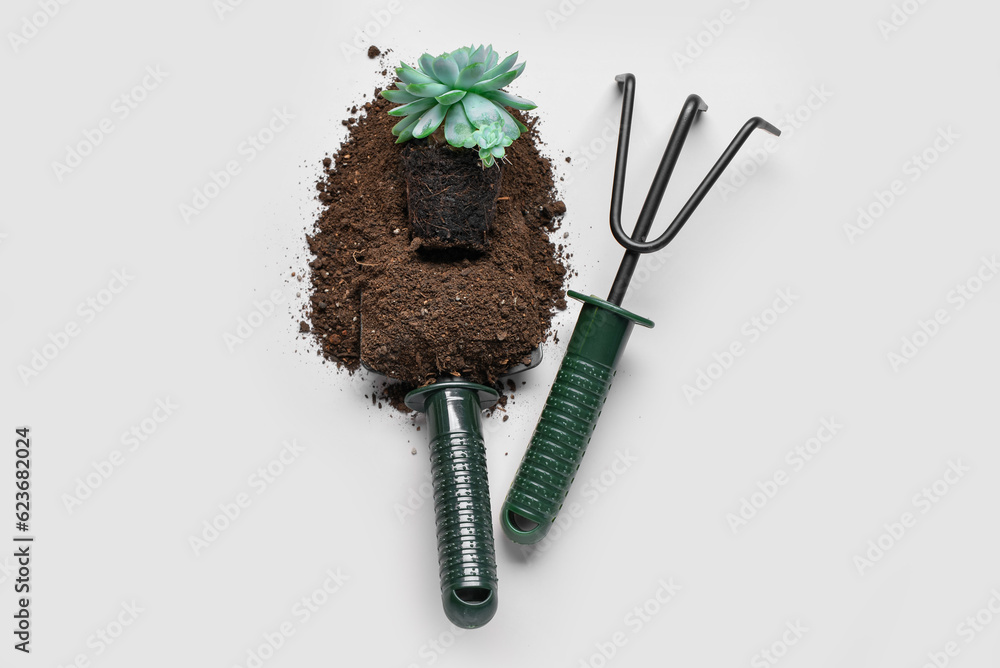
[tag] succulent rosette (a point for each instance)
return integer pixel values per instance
(461, 91)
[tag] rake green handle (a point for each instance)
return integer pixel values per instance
(466, 556)
(568, 419)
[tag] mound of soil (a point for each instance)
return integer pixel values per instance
(427, 316)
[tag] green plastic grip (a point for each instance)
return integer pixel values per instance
(568, 419)
(466, 553)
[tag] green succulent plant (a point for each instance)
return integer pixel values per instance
(491, 141)
(461, 90)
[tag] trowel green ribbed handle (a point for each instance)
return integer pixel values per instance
(466, 553)
(568, 419)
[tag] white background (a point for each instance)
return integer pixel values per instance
(337, 506)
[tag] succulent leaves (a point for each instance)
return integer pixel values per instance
(492, 139)
(460, 89)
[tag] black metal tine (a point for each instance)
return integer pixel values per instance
(636, 244)
(682, 127)
(689, 112)
(626, 82)
(713, 175)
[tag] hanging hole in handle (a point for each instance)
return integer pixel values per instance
(469, 607)
(520, 528)
(521, 523)
(473, 595)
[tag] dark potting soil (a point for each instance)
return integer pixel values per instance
(451, 199)
(424, 318)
